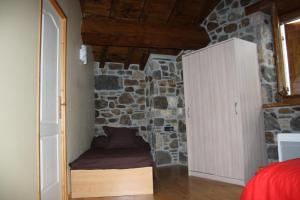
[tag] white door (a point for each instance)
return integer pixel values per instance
(49, 110)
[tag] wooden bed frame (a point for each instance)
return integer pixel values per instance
(111, 182)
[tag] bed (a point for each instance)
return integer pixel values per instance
(118, 164)
(278, 181)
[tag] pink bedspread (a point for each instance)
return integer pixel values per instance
(278, 181)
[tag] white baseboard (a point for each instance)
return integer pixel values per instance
(217, 178)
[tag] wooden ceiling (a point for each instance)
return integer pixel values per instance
(127, 31)
(287, 9)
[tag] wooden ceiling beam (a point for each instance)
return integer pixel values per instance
(112, 32)
(103, 56)
(285, 13)
(128, 62)
(172, 11)
(206, 8)
(141, 17)
(265, 6)
(112, 6)
(127, 55)
(144, 59)
(289, 16)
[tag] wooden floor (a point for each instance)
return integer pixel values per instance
(173, 183)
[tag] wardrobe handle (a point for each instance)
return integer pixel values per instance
(235, 108)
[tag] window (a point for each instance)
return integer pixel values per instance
(290, 38)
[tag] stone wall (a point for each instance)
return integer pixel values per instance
(151, 101)
(228, 20)
(120, 97)
(280, 120)
(165, 111)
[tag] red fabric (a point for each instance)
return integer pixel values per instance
(278, 181)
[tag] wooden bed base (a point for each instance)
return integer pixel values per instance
(111, 182)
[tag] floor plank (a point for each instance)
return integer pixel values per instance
(173, 183)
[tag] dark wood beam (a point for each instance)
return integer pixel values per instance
(264, 6)
(144, 59)
(103, 56)
(128, 62)
(145, 35)
(206, 8)
(289, 16)
(286, 13)
(172, 11)
(112, 7)
(141, 17)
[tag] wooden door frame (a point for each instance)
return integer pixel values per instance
(62, 97)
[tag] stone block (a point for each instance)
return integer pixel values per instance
(141, 100)
(115, 66)
(271, 123)
(116, 111)
(100, 104)
(140, 91)
(269, 136)
(108, 82)
(113, 120)
(156, 75)
(126, 98)
(140, 115)
(159, 122)
(138, 75)
(230, 28)
(129, 89)
(100, 121)
(181, 126)
(295, 124)
(125, 120)
(129, 82)
(163, 158)
(160, 102)
(106, 115)
(272, 152)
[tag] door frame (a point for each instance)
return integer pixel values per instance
(62, 97)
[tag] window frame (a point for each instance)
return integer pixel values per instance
(285, 99)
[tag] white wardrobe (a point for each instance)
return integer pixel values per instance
(225, 130)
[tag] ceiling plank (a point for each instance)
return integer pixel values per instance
(289, 16)
(92, 7)
(146, 35)
(287, 10)
(142, 15)
(157, 10)
(99, 53)
(144, 59)
(264, 6)
(129, 57)
(172, 11)
(206, 7)
(112, 6)
(103, 56)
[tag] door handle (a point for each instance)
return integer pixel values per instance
(235, 108)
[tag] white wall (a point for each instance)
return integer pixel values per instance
(80, 86)
(19, 22)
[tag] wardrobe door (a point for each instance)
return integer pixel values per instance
(188, 88)
(197, 148)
